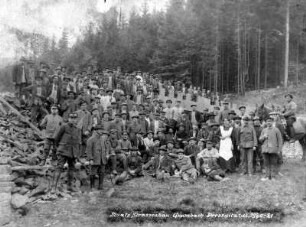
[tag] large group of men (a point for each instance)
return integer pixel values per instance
(118, 124)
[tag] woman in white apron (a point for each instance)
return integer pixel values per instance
(226, 160)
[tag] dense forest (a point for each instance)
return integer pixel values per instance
(221, 45)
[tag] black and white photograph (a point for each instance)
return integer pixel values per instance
(122, 113)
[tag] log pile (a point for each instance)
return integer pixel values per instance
(21, 145)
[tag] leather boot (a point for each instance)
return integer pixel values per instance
(69, 181)
(55, 179)
(92, 181)
(101, 178)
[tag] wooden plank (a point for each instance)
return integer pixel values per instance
(22, 118)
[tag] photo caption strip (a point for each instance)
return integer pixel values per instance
(140, 216)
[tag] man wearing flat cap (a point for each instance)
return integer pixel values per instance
(84, 122)
(98, 150)
(247, 143)
(68, 141)
(51, 123)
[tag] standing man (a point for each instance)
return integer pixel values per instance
(224, 114)
(84, 122)
(272, 145)
(168, 110)
(68, 140)
(52, 123)
(97, 150)
(195, 115)
(247, 143)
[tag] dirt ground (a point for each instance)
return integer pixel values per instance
(240, 192)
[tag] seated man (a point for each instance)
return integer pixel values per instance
(207, 163)
(185, 167)
(134, 163)
(161, 166)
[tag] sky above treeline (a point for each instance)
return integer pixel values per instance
(50, 17)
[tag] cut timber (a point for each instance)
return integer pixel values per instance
(26, 167)
(2, 110)
(22, 117)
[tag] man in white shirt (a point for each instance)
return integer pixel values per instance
(168, 110)
(177, 110)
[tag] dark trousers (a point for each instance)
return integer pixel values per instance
(270, 160)
(246, 158)
(236, 154)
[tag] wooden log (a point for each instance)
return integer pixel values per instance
(27, 167)
(22, 118)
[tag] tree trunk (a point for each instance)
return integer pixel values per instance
(266, 59)
(258, 59)
(239, 50)
(287, 46)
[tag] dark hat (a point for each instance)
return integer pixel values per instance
(181, 125)
(70, 92)
(123, 113)
(160, 101)
(73, 115)
(192, 138)
(246, 118)
(105, 112)
(169, 101)
(109, 90)
(93, 109)
(241, 107)
(237, 118)
(82, 102)
(113, 103)
(105, 132)
(113, 130)
(134, 149)
(214, 124)
(117, 114)
(170, 141)
(292, 117)
(209, 142)
(135, 116)
(54, 106)
(256, 118)
(97, 97)
(162, 149)
(142, 113)
(232, 112)
(225, 102)
(290, 95)
(211, 114)
(179, 151)
(98, 127)
(149, 132)
(270, 118)
(156, 138)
